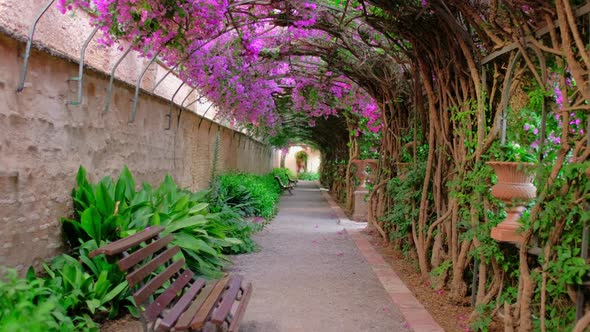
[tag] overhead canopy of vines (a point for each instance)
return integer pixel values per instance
(441, 85)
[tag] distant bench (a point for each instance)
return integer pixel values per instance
(188, 303)
(289, 186)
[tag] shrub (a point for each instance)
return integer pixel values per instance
(250, 194)
(310, 176)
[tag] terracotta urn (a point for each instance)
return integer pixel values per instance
(360, 172)
(372, 164)
(515, 188)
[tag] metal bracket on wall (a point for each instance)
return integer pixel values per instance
(186, 97)
(169, 115)
(193, 102)
(137, 87)
(182, 107)
(203, 116)
(166, 75)
(23, 74)
(110, 88)
(239, 141)
(80, 76)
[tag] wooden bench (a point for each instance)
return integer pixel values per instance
(188, 303)
(291, 181)
(288, 187)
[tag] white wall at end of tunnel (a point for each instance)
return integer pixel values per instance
(314, 158)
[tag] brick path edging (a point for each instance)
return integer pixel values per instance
(417, 317)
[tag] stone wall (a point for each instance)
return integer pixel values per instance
(43, 141)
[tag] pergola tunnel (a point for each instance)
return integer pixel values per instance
(435, 152)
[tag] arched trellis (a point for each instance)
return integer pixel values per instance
(79, 79)
(433, 70)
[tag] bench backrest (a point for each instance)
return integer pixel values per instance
(142, 254)
(192, 301)
(278, 178)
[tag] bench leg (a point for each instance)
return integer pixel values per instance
(235, 322)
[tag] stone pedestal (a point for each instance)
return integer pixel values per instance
(360, 207)
(507, 230)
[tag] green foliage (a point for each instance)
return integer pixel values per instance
(249, 194)
(398, 220)
(29, 305)
(512, 152)
(301, 156)
(202, 236)
(285, 174)
(83, 292)
(78, 288)
(309, 176)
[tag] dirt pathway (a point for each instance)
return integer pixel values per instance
(309, 275)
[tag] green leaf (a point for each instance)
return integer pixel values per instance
(198, 208)
(93, 304)
(193, 221)
(114, 292)
(188, 242)
(104, 202)
(91, 222)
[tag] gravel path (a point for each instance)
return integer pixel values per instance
(309, 275)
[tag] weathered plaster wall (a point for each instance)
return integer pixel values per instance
(43, 141)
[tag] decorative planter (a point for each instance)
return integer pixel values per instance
(515, 188)
(360, 173)
(372, 164)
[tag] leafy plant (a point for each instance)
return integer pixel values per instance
(252, 195)
(28, 305)
(512, 152)
(80, 291)
(301, 156)
(310, 176)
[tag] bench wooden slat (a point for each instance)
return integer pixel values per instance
(227, 300)
(156, 307)
(185, 320)
(138, 275)
(203, 313)
(179, 308)
(148, 289)
(121, 245)
(141, 254)
(234, 326)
